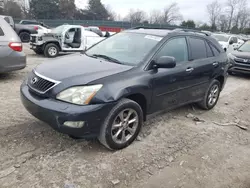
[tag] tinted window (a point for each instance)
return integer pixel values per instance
(198, 48)
(7, 19)
(234, 39)
(215, 50)
(1, 32)
(209, 50)
(176, 48)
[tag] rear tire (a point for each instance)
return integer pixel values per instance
(51, 50)
(24, 36)
(122, 125)
(212, 96)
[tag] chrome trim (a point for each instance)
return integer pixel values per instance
(45, 78)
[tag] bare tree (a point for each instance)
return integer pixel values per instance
(155, 17)
(222, 22)
(240, 10)
(171, 14)
(137, 16)
(214, 10)
(244, 18)
(232, 5)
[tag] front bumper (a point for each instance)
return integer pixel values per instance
(55, 113)
(240, 67)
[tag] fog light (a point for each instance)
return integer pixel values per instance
(74, 124)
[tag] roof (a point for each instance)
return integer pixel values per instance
(157, 32)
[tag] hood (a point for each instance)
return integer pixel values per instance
(244, 55)
(79, 68)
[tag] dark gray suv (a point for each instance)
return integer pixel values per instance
(108, 91)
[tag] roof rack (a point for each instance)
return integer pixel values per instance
(146, 27)
(174, 29)
(191, 30)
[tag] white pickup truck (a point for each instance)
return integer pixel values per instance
(65, 38)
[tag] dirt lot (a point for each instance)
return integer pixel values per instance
(172, 151)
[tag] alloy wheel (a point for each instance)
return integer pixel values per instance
(124, 126)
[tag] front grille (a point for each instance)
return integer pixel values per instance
(40, 83)
(244, 61)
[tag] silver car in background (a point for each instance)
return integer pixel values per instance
(11, 49)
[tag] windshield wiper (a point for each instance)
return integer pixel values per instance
(110, 59)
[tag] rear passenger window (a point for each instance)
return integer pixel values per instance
(177, 48)
(209, 51)
(215, 50)
(1, 32)
(198, 48)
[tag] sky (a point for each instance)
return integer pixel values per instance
(190, 9)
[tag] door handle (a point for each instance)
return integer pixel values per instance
(189, 70)
(215, 64)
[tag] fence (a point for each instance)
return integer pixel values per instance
(116, 24)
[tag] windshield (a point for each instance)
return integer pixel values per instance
(245, 47)
(58, 29)
(222, 38)
(126, 48)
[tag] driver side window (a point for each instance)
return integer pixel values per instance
(177, 48)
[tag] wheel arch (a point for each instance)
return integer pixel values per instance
(141, 100)
(52, 42)
(221, 79)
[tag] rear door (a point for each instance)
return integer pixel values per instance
(204, 64)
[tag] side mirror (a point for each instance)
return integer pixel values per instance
(231, 42)
(165, 62)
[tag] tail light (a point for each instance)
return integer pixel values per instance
(36, 28)
(16, 46)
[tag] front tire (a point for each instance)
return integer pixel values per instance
(212, 96)
(122, 125)
(24, 36)
(51, 50)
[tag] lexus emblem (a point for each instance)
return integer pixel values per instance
(34, 80)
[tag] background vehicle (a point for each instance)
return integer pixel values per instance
(95, 30)
(65, 38)
(240, 59)
(228, 42)
(108, 91)
(33, 22)
(23, 31)
(11, 56)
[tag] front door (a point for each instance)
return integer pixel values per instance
(171, 86)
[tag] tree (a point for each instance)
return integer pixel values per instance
(67, 9)
(171, 14)
(98, 9)
(188, 24)
(155, 17)
(214, 10)
(44, 9)
(13, 9)
(222, 23)
(205, 27)
(137, 16)
(232, 5)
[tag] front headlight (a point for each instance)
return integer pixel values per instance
(81, 95)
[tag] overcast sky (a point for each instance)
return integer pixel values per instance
(190, 9)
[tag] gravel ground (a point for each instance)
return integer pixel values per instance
(172, 151)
